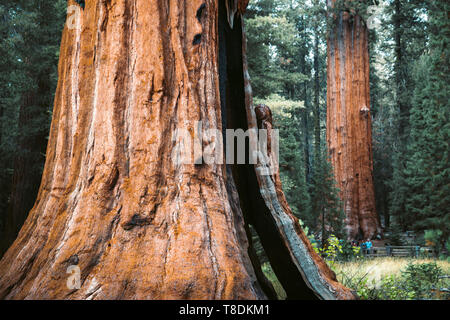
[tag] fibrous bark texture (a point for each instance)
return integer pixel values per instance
(114, 203)
(349, 132)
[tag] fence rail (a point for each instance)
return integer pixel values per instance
(398, 251)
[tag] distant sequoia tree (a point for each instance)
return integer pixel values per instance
(349, 127)
(113, 204)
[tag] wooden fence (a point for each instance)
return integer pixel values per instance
(399, 251)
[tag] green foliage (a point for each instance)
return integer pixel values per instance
(349, 252)
(427, 170)
(326, 204)
(388, 289)
(263, 63)
(415, 282)
(411, 140)
(422, 279)
(280, 48)
(335, 250)
(395, 235)
(331, 250)
(272, 42)
(257, 246)
(436, 240)
(29, 50)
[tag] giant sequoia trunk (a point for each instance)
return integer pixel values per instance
(349, 132)
(112, 200)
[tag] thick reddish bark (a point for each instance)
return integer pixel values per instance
(349, 126)
(113, 202)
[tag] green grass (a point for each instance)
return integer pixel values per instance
(378, 268)
(371, 271)
(382, 278)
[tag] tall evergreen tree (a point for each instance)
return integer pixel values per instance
(36, 32)
(408, 29)
(326, 204)
(427, 172)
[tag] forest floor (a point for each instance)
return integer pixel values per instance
(377, 268)
(372, 270)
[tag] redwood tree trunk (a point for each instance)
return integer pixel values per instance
(113, 202)
(349, 132)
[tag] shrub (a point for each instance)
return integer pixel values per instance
(348, 252)
(416, 282)
(422, 279)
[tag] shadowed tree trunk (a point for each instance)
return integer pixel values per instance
(27, 175)
(112, 200)
(35, 62)
(349, 125)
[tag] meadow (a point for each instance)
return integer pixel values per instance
(388, 278)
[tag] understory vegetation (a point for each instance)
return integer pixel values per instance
(380, 278)
(387, 278)
(396, 278)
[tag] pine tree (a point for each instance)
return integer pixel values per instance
(35, 31)
(409, 37)
(8, 113)
(274, 46)
(294, 177)
(427, 170)
(326, 204)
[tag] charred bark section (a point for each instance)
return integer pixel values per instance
(232, 98)
(291, 259)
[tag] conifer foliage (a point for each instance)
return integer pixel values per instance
(427, 170)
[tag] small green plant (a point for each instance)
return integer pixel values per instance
(336, 250)
(331, 250)
(356, 251)
(422, 279)
(349, 252)
(390, 288)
